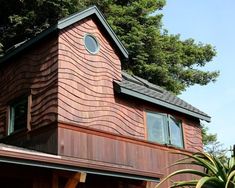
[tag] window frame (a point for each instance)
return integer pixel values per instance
(96, 41)
(13, 104)
(167, 129)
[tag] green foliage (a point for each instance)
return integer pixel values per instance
(216, 174)
(212, 146)
(155, 55)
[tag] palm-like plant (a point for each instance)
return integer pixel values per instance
(215, 174)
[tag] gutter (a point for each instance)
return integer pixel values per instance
(127, 91)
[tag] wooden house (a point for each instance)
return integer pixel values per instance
(69, 116)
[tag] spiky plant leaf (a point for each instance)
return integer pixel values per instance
(231, 162)
(222, 169)
(206, 180)
(204, 161)
(184, 183)
(230, 181)
(217, 174)
(184, 171)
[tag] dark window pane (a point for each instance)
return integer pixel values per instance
(156, 127)
(175, 132)
(91, 44)
(18, 115)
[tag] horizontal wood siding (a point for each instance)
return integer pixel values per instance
(35, 73)
(86, 95)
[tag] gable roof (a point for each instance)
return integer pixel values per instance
(63, 23)
(130, 85)
(142, 89)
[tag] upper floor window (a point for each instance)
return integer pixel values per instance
(91, 43)
(18, 115)
(164, 129)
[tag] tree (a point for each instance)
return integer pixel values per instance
(216, 174)
(212, 146)
(163, 59)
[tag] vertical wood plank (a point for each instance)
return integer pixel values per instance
(55, 180)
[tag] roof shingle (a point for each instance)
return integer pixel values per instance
(140, 88)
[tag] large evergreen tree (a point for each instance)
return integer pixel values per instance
(155, 55)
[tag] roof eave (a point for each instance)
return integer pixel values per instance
(63, 23)
(126, 91)
(29, 43)
(50, 161)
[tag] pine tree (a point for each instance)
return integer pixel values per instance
(163, 59)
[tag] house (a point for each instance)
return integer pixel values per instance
(69, 116)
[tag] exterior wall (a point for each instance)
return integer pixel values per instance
(105, 151)
(75, 88)
(33, 73)
(44, 139)
(86, 95)
(192, 135)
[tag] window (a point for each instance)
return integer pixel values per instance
(164, 129)
(18, 115)
(91, 44)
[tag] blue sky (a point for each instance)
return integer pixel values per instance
(213, 22)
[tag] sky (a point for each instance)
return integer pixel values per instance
(213, 22)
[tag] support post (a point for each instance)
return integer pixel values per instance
(79, 177)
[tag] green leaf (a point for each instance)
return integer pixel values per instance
(203, 160)
(205, 180)
(185, 183)
(184, 171)
(229, 180)
(154, 54)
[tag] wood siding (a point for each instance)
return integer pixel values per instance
(86, 95)
(44, 139)
(123, 153)
(75, 88)
(192, 135)
(33, 73)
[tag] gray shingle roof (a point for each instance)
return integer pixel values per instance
(142, 89)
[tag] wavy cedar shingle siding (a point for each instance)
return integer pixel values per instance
(33, 72)
(193, 136)
(86, 95)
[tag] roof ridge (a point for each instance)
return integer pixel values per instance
(149, 84)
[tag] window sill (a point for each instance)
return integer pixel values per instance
(167, 145)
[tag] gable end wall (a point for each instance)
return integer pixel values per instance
(86, 94)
